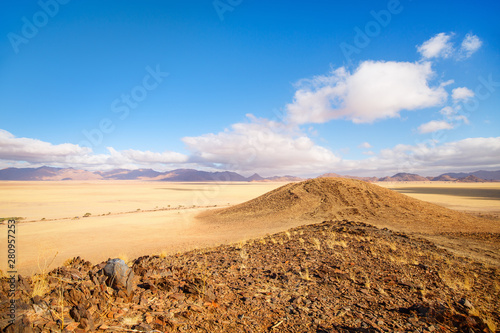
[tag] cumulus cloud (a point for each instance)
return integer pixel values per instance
(261, 145)
(461, 94)
(32, 152)
(434, 126)
(470, 44)
(376, 90)
(438, 46)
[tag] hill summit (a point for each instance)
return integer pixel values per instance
(339, 198)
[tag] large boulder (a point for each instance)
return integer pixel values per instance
(119, 275)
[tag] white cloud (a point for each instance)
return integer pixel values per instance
(376, 90)
(429, 159)
(262, 146)
(441, 46)
(32, 152)
(470, 44)
(467, 153)
(451, 119)
(434, 126)
(365, 145)
(462, 118)
(437, 46)
(461, 94)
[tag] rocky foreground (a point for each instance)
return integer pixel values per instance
(336, 276)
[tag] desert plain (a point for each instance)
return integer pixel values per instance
(128, 219)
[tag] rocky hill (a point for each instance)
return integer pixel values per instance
(336, 276)
(444, 178)
(471, 179)
(340, 198)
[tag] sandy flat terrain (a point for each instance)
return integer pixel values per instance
(159, 225)
(154, 217)
(68, 199)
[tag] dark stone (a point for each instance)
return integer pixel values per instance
(119, 275)
(465, 302)
(75, 313)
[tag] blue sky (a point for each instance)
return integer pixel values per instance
(303, 88)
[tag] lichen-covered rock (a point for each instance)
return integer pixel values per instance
(119, 275)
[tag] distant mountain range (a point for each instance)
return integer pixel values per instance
(462, 177)
(179, 175)
(190, 175)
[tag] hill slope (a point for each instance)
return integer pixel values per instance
(339, 198)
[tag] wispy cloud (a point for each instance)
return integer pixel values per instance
(461, 94)
(438, 46)
(365, 145)
(434, 126)
(470, 44)
(447, 111)
(442, 46)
